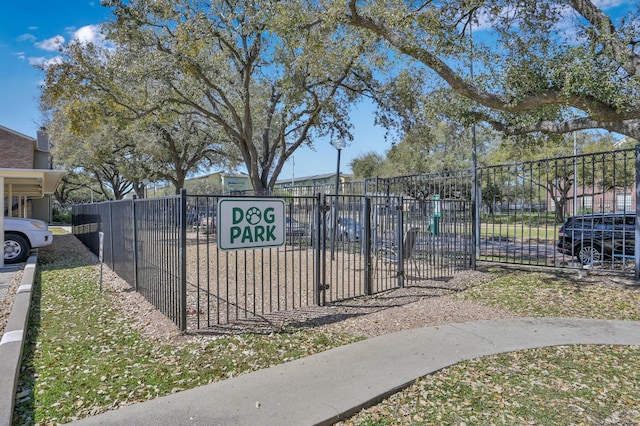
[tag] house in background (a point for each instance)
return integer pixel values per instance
(25, 168)
(219, 183)
(311, 181)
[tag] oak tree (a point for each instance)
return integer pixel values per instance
(532, 66)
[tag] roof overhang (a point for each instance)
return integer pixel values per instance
(30, 182)
(35, 183)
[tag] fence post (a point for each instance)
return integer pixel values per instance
(400, 241)
(366, 224)
(322, 233)
(93, 235)
(110, 262)
(182, 254)
(637, 238)
(324, 206)
(135, 243)
(316, 233)
(475, 217)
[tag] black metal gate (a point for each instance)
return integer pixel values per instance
(337, 248)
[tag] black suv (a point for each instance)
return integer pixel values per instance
(595, 237)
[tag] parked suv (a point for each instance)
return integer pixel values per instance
(594, 237)
(21, 235)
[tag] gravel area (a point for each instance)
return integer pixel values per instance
(7, 300)
(427, 304)
(286, 278)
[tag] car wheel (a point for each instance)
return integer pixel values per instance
(589, 254)
(16, 248)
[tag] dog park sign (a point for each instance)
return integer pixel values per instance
(250, 223)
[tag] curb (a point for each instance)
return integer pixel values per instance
(12, 342)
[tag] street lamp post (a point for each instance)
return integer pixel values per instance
(339, 145)
(475, 202)
(575, 175)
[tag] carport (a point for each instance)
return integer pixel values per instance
(24, 184)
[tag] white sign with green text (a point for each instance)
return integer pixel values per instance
(250, 223)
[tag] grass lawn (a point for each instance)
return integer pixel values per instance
(519, 231)
(565, 385)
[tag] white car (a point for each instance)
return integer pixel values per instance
(21, 235)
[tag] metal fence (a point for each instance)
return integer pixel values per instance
(369, 237)
(228, 286)
(336, 248)
(522, 207)
(143, 242)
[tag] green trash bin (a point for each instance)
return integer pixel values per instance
(434, 225)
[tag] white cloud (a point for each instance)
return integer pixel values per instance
(483, 20)
(53, 61)
(27, 37)
(51, 44)
(21, 55)
(89, 34)
(37, 60)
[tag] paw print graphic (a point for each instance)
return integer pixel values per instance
(253, 216)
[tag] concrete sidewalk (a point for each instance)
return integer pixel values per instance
(332, 385)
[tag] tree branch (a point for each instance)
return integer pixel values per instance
(600, 111)
(625, 127)
(629, 60)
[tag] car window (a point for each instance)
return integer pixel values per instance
(575, 223)
(607, 222)
(588, 223)
(593, 222)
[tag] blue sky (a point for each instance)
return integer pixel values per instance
(30, 31)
